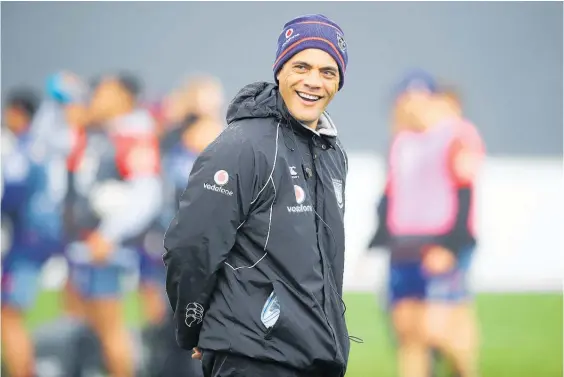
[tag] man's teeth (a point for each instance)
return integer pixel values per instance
(308, 96)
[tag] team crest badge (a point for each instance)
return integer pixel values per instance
(341, 42)
(338, 187)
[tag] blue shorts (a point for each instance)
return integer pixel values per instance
(21, 269)
(101, 281)
(97, 282)
(408, 280)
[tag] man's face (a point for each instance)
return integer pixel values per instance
(16, 119)
(410, 108)
(308, 82)
(109, 99)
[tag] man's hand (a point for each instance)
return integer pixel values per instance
(100, 248)
(197, 354)
(438, 260)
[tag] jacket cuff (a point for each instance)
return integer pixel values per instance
(187, 340)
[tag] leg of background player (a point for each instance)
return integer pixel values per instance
(106, 317)
(101, 289)
(17, 348)
(153, 303)
(19, 288)
(463, 341)
(451, 328)
(413, 354)
(73, 304)
(450, 323)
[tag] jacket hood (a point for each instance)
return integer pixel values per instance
(256, 100)
(263, 100)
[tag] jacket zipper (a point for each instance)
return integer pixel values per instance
(322, 257)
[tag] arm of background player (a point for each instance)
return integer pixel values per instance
(138, 162)
(467, 155)
(48, 121)
(203, 231)
(381, 236)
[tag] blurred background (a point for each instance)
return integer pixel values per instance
(189, 59)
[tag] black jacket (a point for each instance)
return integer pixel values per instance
(263, 212)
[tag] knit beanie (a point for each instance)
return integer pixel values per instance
(312, 31)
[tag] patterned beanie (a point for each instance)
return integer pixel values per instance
(312, 31)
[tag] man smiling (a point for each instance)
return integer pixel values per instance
(255, 254)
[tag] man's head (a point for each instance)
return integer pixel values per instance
(20, 106)
(310, 65)
(114, 95)
(413, 97)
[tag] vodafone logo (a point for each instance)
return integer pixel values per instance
(300, 197)
(300, 194)
(221, 177)
(290, 36)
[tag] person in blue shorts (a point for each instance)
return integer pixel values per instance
(31, 222)
(60, 122)
(426, 222)
(114, 195)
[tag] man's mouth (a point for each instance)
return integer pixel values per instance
(308, 97)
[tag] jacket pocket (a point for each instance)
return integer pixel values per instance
(271, 313)
(300, 327)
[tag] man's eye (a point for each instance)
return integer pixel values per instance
(300, 68)
(329, 74)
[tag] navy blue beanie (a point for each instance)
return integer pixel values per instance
(312, 31)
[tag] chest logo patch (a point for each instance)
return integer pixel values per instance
(338, 187)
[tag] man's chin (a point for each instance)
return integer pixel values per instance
(307, 119)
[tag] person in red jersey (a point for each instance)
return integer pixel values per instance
(115, 194)
(426, 220)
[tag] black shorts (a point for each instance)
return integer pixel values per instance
(221, 364)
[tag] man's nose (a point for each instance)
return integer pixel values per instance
(313, 79)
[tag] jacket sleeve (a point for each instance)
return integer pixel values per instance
(216, 201)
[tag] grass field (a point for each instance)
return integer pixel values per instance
(521, 334)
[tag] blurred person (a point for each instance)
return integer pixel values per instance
(65, 114)
(189, 133)
(50, 134)
(116, 195)
(199, 94)
(62, 112)
(193, 131)
(31, 218)
(255, 253)
(426, 220)
(201, 98)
